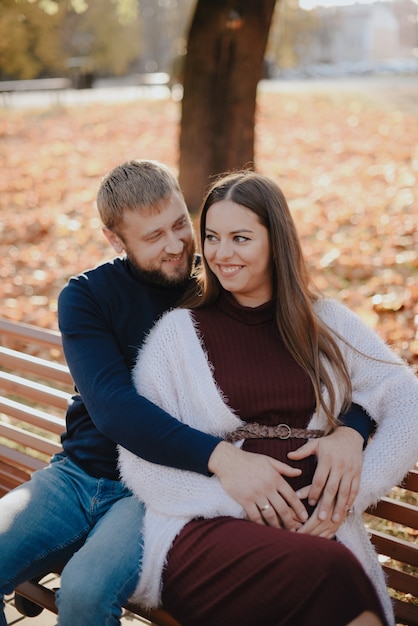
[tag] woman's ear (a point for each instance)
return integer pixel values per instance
(114, 240)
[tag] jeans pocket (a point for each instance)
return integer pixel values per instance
(60, 457)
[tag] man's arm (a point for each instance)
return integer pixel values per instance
(103, 380)
(358, 419)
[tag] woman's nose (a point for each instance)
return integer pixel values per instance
(224, 250)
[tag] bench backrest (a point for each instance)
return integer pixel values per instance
(393, 527)
(35, 387)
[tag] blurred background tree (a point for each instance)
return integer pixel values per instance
(224, 63)
(30, 44)
(104, 39)
(290, 32)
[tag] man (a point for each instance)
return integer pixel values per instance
(76, 511)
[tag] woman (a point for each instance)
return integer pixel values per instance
(260, 347)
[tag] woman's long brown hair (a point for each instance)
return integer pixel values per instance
(303, 333)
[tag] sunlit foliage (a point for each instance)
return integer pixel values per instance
(41, 37)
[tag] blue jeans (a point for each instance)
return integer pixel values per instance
(63, 513)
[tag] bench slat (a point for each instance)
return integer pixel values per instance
(11, 477)
(396, 511)
(30, 333)
(406, 613)
(34, 391)
(401, 581)
(32, 416)
(16, 468)
(11, 473)
(29, 440)
(9, 482)
(15, 458)
(11, 359)
(395, 548)
(411, 481)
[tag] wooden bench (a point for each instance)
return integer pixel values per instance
(35, 385)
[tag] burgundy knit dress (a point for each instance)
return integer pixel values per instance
(232, 572)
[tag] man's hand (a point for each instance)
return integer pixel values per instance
(336, 480)
(256, 482)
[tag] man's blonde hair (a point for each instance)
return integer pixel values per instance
(133, 186)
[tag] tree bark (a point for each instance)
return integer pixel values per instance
(224, 61)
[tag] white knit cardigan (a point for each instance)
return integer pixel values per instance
(173, 372)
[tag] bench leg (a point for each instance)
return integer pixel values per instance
(27, 607)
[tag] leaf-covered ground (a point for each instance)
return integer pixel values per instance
(348, 164)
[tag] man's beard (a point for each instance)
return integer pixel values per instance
(160, 279)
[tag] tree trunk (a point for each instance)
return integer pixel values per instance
(224, 63)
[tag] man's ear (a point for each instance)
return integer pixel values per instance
(114, 240)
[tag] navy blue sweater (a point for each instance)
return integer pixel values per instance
(104, 315)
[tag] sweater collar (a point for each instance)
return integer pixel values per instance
(248, 315)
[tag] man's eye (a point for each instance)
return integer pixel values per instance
(154, 237)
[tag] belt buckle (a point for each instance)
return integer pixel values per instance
(289, 431)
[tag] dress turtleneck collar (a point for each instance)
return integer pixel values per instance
(246, 314)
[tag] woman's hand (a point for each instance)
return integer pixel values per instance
(256, 482)
(336, 480)
(321, 528)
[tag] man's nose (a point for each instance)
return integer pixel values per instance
(174, 245)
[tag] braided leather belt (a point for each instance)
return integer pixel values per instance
(253, 430)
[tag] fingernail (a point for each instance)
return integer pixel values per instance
(322, 515)
(304, 516)
(336, 517)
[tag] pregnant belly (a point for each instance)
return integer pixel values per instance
(278, 449)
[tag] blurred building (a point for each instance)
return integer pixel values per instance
(365, 36)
